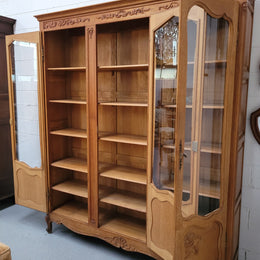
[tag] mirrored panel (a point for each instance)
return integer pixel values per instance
(25, 91)
(165, 80)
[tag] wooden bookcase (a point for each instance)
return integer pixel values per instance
(122, 83)
(139, 112)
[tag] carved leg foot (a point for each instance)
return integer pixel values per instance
(49, 224)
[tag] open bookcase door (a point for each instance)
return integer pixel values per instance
(163, 160)
(26, 99)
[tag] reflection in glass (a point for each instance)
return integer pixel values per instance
(207, 40)
(212, 114)
(191, 85)
(25, 89)
(165, 76)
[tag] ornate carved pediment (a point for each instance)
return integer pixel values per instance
(64, 22)
(123, 13)
(173, 4)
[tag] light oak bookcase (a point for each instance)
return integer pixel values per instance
(141, 109)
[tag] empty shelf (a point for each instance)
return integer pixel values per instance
(187, 146)
(174, 106)
(71, 132)
(123, 104)
(215, 61)
(123, 67)
(130, 227)
(207, 148)
(73, 187)
(126, 174)
(67, 69)
(213, 106)
(211, 190)
(129, 201)
(73, 164)
(73, 210)
(126, 139)
(69, 101)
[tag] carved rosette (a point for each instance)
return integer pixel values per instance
(191, 244)
(64, 22)
(123, 13)
(120, 243)
(173, 4)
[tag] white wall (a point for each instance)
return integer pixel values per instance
(249, 248)
(24, 10)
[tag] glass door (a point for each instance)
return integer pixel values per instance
(166, 146)
(27, 120)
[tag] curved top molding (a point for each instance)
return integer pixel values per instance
(215, 8)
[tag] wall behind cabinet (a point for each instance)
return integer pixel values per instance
(23, 12)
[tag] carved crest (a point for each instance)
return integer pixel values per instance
(123, 13)
(173, 4)
(64, 22)
(191, 244)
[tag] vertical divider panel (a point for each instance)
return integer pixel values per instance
(92, 124)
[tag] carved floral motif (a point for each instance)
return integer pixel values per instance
(173, 4)
(191, 244)
(90, 31)
(64, 22)
(123, 13)
(248, 3)
(120, 243)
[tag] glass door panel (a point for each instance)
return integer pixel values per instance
(215, 64)
(25, 90)
(165, 77)
(207, 39)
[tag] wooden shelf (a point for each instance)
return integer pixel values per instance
(213, 106)
(73, 187)
(209, 62)
(123, 225)
(169, 185)
(71, 132)
(215, 61)
(187, 146)
(73, 210)
(126, 174)
(130, 201)
(72, 163)
(125, 139)
(68, 101)
(209, 190)
(123, 104)
(67, 69)
(205, 190)
(174, 106)
(123, 67)
(207, 148)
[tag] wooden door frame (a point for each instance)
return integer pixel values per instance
(32, 37)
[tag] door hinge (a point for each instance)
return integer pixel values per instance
(194, 146)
